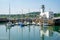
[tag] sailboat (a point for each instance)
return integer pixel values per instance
(9, 24)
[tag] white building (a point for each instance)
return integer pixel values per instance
(48, 15)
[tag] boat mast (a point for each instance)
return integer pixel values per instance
(9, 9)
(9, 12)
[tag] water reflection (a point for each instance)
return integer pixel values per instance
(9, 34)
(45, 32)
(22, 33)
(30, 32)
(56, 28)
(8, 28)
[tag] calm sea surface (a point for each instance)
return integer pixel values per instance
(30, 32)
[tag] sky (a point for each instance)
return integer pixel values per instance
(17, 6)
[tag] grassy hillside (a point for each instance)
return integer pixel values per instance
(57, 15)
(27, 15)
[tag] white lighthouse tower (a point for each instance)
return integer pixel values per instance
(42, 9)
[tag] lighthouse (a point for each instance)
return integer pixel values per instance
(42, 9)
(48, 14)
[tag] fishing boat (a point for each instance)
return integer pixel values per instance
(45, 24)
(20, 24)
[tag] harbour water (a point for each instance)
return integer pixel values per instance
(30, 32)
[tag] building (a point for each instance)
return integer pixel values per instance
(48, 15)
